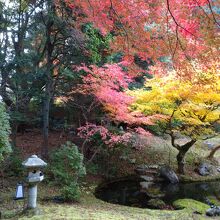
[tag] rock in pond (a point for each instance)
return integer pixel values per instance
(168, 174)
(214, 211)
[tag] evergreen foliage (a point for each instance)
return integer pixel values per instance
(67, 167)
(4, 133)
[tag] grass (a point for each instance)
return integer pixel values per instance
(90, 208)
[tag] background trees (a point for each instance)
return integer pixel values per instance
(40, 43)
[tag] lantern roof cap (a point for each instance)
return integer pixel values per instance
(34, 161)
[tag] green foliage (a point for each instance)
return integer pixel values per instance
(158, 128)
(70, 192)
(4, 133)
(108, 162)
(13, 164)
(67, 167)
(93, 168)
(18, 117)
(97, 44)
(115, 57)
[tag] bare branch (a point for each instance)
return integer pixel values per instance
(175, 21)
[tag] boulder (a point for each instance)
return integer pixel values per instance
(214, 211)
(205, 169)
(168, 174)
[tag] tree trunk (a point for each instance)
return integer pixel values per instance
(14, 129)
(180, 161)
(211, 155)
(46, 110)
(49, 87)
(181, 155)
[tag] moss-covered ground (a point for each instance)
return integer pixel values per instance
(89, 208)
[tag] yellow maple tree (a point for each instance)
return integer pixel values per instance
(191, 107)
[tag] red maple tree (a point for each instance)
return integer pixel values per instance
(185, 32)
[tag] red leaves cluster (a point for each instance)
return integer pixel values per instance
(108, 85)
(152, 28)
(89, 130)
(110, 138)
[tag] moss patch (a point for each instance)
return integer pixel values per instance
(198, 178)
(91, 208)
(191, 204)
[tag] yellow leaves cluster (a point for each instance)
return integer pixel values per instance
(195, 104)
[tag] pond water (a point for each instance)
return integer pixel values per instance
(130, 193)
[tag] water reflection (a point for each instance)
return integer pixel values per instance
(131, 193)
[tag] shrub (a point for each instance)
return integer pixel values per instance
(67, 167)
(71, 192)
(12, 165)
(4, 133)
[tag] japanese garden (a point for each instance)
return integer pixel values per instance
(110, 109)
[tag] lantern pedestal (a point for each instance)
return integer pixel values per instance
(32, 197)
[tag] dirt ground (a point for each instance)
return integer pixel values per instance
(31, 142)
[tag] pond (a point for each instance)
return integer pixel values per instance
(136, 193)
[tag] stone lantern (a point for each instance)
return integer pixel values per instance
(33, 164)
